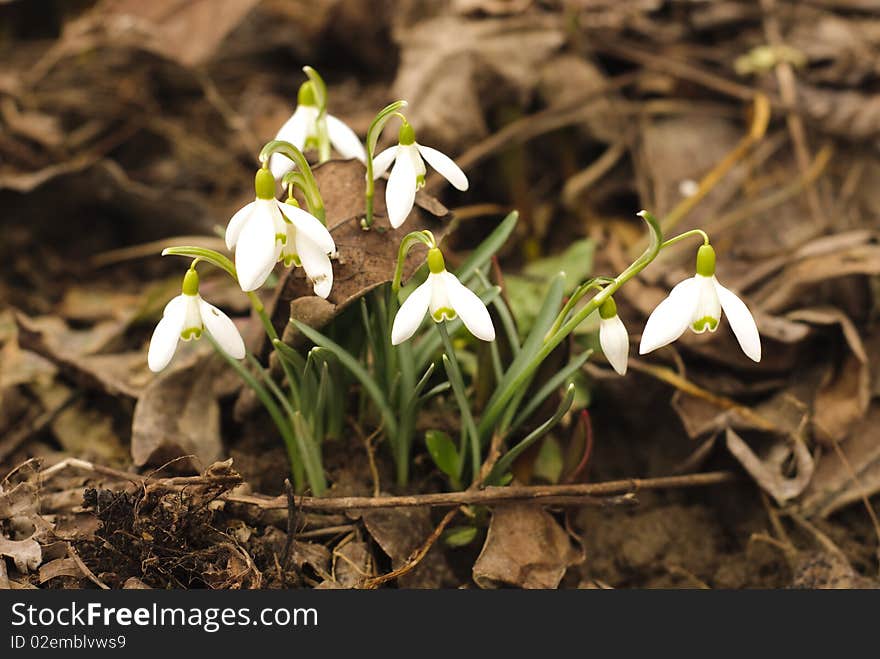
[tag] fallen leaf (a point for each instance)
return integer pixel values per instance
(769, 470)
(845, 394)
(452, 67)
(73, 352)
(399, 532)
(837, 484)
(26, 554)
(178, 414)
(188, 31)
(352, 565)
(60, 567)
(525, 547)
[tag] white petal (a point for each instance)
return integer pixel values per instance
(163, 343)
(383, 161)
(256, 252)
(223, 330)
(741, 321)
(615, 343)
(470, 308)
(316, 263)
(445, 166)
(233, 229)
(192, 317)
(671, 317)
(345, 140)
(295, 130)
(400, 193)
(411, 313)
(309, 225)
(708, 305)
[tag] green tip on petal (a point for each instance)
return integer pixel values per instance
(443, 313)
(264, 184)
(407, 134)
(190, 282)
(436, 263)
(705, 323)
(608, 309)
(306, 95)
(706, 261)
(191, 333)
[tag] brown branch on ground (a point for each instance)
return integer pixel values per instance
(618, 492)
(608, 493)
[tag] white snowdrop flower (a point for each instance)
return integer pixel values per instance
(185, 318)
(266, 230)
(613, 337)
(303, 130)
(408, 173)
(308, 244)
(445, 297)
(257, 232)
(697, 303)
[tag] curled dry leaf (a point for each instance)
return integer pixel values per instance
(839, 483)
(453, 66)
(768, 471)
(178, 414)
(184, 30)
(525, 547)
(399, 532)
(19, 509)
(73, 351)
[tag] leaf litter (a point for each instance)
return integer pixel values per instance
(163, 151)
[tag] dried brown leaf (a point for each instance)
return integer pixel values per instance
(769, 470)
(188, 31)
(178, 414)
(451, 67)
(399, 532)
(836, 483)
(525, 547)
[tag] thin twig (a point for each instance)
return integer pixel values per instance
(416, 557)
(581, 493)
(788, 91)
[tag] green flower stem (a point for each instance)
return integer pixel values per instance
(296, 468)
(373, 134)
(309, 185)
(203, 254)
(307, 448)
(451, 364)
(515, 379)
(314, 203)
(409, 240)
(260, 309)
(579, 293)
(686, 234)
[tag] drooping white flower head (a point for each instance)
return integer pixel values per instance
(266, 230)
(697, 303)
(445, 297)
(186, 317)
(613, 337)
(303, 130)
(408, 173)
(308, 244)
